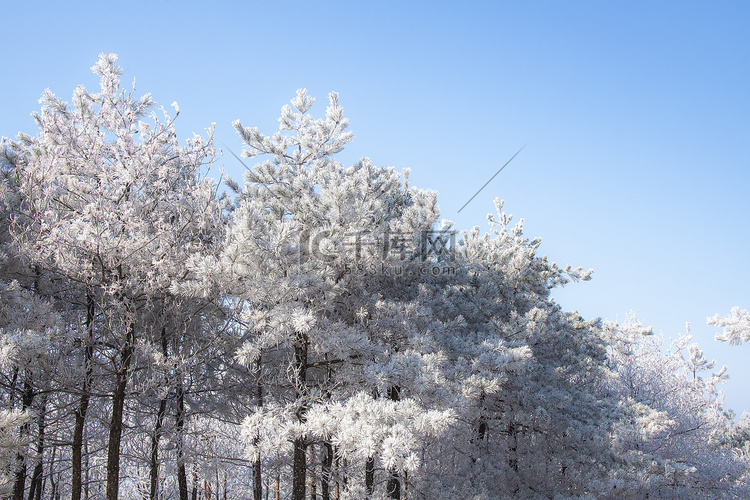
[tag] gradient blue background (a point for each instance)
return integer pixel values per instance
(635, 115)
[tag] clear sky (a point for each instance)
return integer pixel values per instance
(635, 116)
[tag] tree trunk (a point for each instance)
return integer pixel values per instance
(393, 488)
(118, 404)
(26, 399)
(337, 486)
(257, 470)
(479, 428)
(154, 472)
(369, 474)
(326, 464)
(513, 455)
(257, 480)
(87, 483)
(35, 488)
(194, 495)
(12, 388)
(299, 470)
(344, 475)
(51, 468)
(482, 423)
(313, 484)
(180, 422)
(277, 492)
(154, 465)
(299, 465)
(83, 404)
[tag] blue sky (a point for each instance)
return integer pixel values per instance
(635, 116)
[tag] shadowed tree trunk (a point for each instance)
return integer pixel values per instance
(26, 399)
(513, 455)
(326, 463)
(369, 474)
(118, 404)
(479, 429)
(394, 483)
(180, 422)
(257, 471)
(313, 483)
(299, 465)
(83, 405)
(154, 473)
(194, 494)
(337, 486)
(35, 488)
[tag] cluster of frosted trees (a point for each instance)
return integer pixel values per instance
(314, 333)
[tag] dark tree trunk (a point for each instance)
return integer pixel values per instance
(482, 423)
(257, 470)
(299, 465)
(336, 486)
(313, 484)
(35, 488)
(83, 404)
(299, 470)
(257, 480)
(118, 404)
(51, 468)
(12, 388)
(513, 455)
(87, 469)
(180, 423)
(479, 428)
(154, 472)
(393, 488)
(326, 464)
(26, 399)
(369, 474)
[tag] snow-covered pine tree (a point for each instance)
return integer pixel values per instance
(32, 337)
(736, 326)
(303, 230)
(673, 434)
(370, 352)
(343, 331)
(30, 340)
(113, 206)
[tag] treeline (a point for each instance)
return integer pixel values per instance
(314, 333)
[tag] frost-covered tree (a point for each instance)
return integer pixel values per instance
(113, 206)
(673, 421)
(303, 229)
(29, 346)
(385, 361)
(325, 336)
(736, 326)
(10, 445)
(31, 336)
(524, 371)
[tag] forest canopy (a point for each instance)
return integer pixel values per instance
(314, 331)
